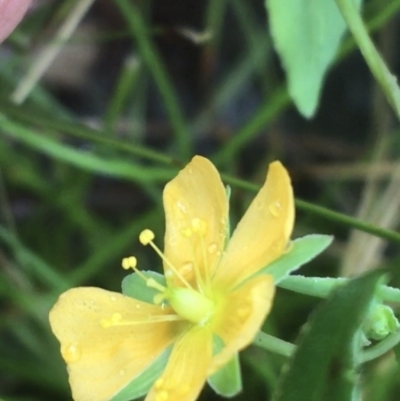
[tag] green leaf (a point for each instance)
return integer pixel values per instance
(306, 35)
(134, 286)
(324, 366)
(302, 250)
(227, 382)
(142, 384)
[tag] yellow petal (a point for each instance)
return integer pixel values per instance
(264, 231)
(241, 317)
(101, 361)
(186, 371)
(197, 196)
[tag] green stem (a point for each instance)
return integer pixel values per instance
(284, 348)
(381, 348)
(324, 212)
(375, 62)
(274, 344)
(98, 136)
(153, 61)
(322, 286)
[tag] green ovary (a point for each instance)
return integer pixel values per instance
(191, 305)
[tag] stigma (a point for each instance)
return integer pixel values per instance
(191, 305)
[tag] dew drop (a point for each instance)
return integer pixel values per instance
(186, 268)
(275, 209)
(138, 306)
(122, 372)
(71, 352)
(212, 247)
(113, 298)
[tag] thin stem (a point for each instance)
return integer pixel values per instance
(153, 61)
(51, 51)
(321, 287)
(381, 348)
(284, 348)
(375, 62)
(273, 344)
(149, 154)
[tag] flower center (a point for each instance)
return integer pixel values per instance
(190, 304)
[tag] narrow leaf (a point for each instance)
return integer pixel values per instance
(324, 366)
(301, 251)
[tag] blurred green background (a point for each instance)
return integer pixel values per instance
(140, 88)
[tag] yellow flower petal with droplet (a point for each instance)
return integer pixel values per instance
(103, 360)
(241, 317)
(186, 371)
(264, 231)
(195, 194)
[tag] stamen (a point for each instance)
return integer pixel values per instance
(199, 227)
(130, 263)
(146, 238)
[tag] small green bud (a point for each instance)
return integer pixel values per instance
(380, 322)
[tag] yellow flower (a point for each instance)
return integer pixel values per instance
(107, 339)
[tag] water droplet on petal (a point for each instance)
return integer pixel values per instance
(212, 247)
(275, 209)
(113, 298)
(186, 268)
(138, 306)
(71, 352)
(122, 372)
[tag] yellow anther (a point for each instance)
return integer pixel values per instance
(158, 383)
(146, 236)
(199, 226)
(186, 232)
(129, 263)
